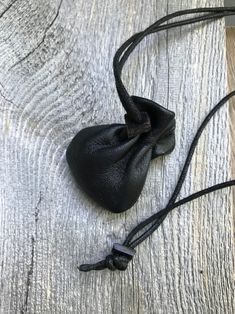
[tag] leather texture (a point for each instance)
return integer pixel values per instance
(111, 167)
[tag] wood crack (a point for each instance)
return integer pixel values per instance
(29, 277)
(24, 308)
(7, 8)
(5, 98)
(42, 40)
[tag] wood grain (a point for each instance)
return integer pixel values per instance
(56, 78)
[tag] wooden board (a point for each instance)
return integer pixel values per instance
(56, 78)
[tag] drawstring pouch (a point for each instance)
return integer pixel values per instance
(110, 162)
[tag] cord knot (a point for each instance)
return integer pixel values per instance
(109, 261)
(118, 260)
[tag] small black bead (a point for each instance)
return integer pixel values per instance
(119, 249)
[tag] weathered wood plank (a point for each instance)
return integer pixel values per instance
(56, 77)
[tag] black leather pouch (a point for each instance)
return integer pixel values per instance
(111, 165)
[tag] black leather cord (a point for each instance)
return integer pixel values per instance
(123, 254)
(125, 50)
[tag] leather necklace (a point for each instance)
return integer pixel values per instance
(110, 162)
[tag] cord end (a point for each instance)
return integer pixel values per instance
(88, 267)
(85, 267)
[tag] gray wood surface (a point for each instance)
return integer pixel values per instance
(56, 78)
